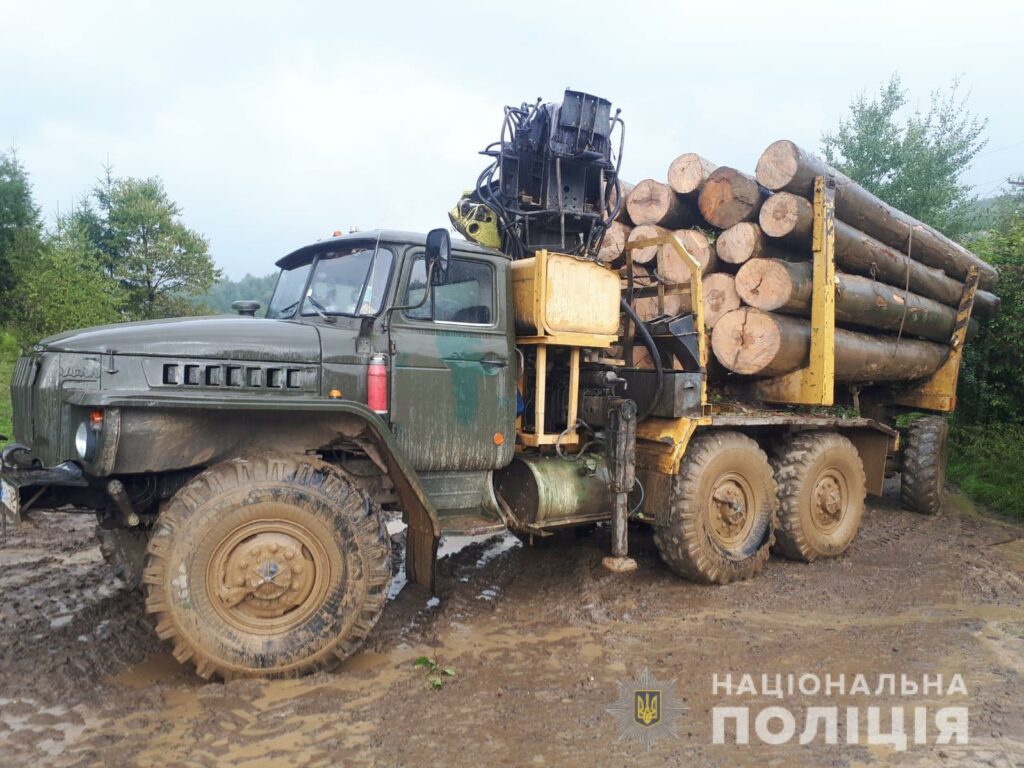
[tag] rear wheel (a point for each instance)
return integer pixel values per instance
(267, 567)
(717, 525)
(923, 478)
(821, 493)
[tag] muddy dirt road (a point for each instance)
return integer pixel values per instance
(538, 637)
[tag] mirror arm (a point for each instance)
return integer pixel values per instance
(426, 294)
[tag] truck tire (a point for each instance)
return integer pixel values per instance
(718, 524)
(923, 476)
(821, 495)
(124, 549)
(267, 567)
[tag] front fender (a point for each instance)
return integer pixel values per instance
(158, 432)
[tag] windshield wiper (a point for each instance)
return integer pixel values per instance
(320, 309)
(293, 306)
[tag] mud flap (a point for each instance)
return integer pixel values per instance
(420, 555)
(423, 532)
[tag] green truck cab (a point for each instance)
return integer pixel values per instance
(149, 422)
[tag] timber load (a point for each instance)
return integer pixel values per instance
(899, 283)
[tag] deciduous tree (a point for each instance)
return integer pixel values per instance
(914, 161)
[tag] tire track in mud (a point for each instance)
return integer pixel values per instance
(536, 661)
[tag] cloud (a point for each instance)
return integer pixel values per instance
(275, 124)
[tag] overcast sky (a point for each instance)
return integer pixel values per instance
(274, 125)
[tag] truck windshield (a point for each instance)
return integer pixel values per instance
(288, 292)
(350, 281)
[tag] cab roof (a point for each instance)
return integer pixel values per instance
(391, 236)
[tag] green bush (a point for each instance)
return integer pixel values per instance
(8, 355)
(986, 463)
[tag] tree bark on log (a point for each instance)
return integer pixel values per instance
(750, 342)
(772, 285)
(790, 217)
(687, 173)
(614, 242)
(729, 197)
(651, 202)
(744, 241)
(786, 167)
(720, 297)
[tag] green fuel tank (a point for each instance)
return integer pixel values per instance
(550, 492)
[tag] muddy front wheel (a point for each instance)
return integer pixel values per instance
(267, 567)
(717, 526)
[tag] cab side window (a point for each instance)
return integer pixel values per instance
(466, 297)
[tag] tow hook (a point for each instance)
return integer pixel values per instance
(124, 504)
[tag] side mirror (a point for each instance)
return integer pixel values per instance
(246, 308)
(438, 252)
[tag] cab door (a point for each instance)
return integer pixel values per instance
(452, 377)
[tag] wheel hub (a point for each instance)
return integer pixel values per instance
(730, 510)
(263, 576)
(828, 500)
(267, 575)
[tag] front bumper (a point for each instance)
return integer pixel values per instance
(15, 478)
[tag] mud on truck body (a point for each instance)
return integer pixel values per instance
(239, 466)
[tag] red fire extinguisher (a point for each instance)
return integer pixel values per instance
(377, 384)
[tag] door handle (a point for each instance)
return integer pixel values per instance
(494, 363)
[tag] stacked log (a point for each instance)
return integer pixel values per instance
(729, 197)
(898, 285)
(773, 285)
(790, 218)
(785, 167)
(651, 202)
(744, 241)
(614, 243)
(755, 343)
(688, 172)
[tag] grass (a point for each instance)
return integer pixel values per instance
(986, 463)
(8, 356)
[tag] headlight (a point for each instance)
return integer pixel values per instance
(85, 441)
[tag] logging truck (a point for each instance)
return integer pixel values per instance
(580, 359)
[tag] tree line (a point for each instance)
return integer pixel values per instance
(122, 253)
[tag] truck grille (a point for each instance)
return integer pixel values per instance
(220, 375)
(22, 383)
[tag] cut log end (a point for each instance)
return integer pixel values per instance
(645, 232)
(697, 245)
(785, 215)
(766, 284)
(647, 308)
(729, 197)
(720, 297)
(652, 202)
(748, 341)
(614, 242)
(688, 172)
(778, 165)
